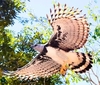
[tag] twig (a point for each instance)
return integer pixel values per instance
(95, 75)
(44, 81)
(91, 79)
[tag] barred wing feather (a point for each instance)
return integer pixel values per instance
(70, 28)
(41, 66)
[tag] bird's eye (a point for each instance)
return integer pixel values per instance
(35, 45)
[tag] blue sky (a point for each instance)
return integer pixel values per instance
(42, 7)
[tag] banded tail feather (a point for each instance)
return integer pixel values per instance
(81, 63)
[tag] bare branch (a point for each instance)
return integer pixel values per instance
(95, 75)
(90, 79)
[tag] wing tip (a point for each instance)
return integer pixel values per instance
(63, 12)
(8, 73)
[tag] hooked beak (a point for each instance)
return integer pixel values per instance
(32, 46)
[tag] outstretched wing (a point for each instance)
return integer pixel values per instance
(70, 28)
(44, 66)
(41, 66)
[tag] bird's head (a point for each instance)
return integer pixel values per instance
(38, 47)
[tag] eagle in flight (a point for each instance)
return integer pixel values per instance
(70, 32)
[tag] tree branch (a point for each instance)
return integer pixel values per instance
(95, 75)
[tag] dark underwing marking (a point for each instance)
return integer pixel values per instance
(59, 28)
(59, 14)
(59, 10)
(71, 64)
(54, 41)
(52, 15)
(65, 36)
(64, 13)
(65, 10)
(55, 15)
(52, 19)
(44, 59)
(55, 11)
(44, 50)
(58, 33)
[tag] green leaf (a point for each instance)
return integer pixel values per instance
(94, 37)
(94, 17)
(67, 81)
(97, 30)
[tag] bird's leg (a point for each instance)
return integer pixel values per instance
(63, 69)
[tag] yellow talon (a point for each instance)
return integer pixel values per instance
(63, 69)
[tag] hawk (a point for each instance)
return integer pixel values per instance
(70, 32)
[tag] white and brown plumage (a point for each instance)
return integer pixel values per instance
(70, 32)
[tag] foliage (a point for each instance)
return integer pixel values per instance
(9, 10)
